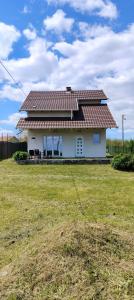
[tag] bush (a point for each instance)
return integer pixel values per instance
(132, 163)
(20, 155)
(131, 146)
(109, 155)
(124, 162)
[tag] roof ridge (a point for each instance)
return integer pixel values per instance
(57, 91)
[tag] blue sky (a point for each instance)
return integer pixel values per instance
(49, 44)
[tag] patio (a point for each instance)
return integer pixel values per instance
(61, 161)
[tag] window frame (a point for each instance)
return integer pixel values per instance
(96, 138)
(52, 151)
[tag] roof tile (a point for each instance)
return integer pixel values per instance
(59, 100)
(87, 117)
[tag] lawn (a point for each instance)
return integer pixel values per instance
(66, 232)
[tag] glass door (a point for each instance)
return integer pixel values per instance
(49, 146)
(53, 146)
(57, 146)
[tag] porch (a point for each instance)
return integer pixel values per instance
(69, 161)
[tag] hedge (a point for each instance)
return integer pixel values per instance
(20, 155)
(123, 162)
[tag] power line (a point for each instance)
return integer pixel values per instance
(2, 64)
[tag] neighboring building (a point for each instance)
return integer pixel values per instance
(67, 123)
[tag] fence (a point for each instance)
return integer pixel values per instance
(8, 148)
(119, 149)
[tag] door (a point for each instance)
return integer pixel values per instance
(52, 146)
(57, 145)
(79, 146)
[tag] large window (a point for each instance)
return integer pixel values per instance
(53, 146)
(96, 138)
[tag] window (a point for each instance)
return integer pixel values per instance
(53, 145)
(57, 146)
(96, 138)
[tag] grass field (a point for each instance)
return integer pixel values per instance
(66, 232)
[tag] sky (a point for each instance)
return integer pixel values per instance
(51, 44)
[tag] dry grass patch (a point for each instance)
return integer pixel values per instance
(76, 260)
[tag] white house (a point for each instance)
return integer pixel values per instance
(67, 123)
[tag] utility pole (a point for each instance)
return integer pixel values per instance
(123, 119)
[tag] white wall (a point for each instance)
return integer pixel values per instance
(69, 141)
(36, 143)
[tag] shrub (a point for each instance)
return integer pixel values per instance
(131, 146)
(20, 155)
(132, 163)
(124, 162)
(109, 155)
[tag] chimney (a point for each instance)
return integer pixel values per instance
(69, 89)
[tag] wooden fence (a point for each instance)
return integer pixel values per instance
(7, 149)
(118, 149)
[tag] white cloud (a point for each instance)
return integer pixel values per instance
(58, 22)
(13, 119)
(92, 31)
(8, 35)
(11, 93)
(104, 60)
(38, 66)
(4, 132)
(26, 10)
(30, 33)
(106, 9)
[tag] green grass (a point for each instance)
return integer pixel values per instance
(66, 232)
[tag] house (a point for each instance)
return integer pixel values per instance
(70, 123)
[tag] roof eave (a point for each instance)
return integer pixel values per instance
(48, 110)
(64, 127)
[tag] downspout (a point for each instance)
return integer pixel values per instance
(71, 114)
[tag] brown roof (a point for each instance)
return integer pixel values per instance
(59, 100)
(87, 117)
